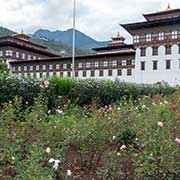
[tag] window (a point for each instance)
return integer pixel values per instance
(25, 68)
(148, 37)
(161, 36)
(105, 63)
(168, 64)
(96, 64)
(57, 66)
(34, 57)
(84, 73)
(168, 49)
(31, 68)
(110, 73)
(37, 68)
(129, 72)
(133, 62)
(19, 68)
(129, 62)
(44, 67)
(17, 54)
(23, 56)
(174, 34)
(92, 73)
(50, 67)
(76, 74)
(101, 73)
(29, 57)
(154, 51)
(114, 63)
(119, 72)
(136, 39)
(88, 65)
(142, 66)
(9, 53)
(64, 66)
(1, 53)
(80, 65)
(142, 51)
(123, 62)
(154, 65)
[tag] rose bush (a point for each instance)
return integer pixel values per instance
(137, 138)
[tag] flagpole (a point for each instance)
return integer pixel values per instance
(74, 39)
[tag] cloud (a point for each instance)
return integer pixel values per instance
(97, 18)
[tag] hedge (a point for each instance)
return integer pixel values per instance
(78, 91)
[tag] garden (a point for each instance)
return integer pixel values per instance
(70, 129)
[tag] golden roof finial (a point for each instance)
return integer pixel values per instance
(118, 34)
(168, 7)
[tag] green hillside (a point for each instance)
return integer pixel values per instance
(53, 46)
(5, 31)
(59, 48)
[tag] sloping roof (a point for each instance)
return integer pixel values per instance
(148, 24)
(27, 45)
(171, 12)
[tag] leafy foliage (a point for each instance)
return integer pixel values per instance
(81, 92)
(130, 140)
(3, 69)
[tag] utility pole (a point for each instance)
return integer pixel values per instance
(74, 39)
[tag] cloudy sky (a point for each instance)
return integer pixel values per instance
(98, 18)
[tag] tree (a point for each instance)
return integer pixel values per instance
(3, 68)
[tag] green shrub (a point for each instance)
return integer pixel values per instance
(125, 141)
(3, 68)
(13, 86)
(81, 92)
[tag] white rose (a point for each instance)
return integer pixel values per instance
(48, 150)
(51, 160)
(57, 161)
(69, 173)
(114, 137)
(55, 166)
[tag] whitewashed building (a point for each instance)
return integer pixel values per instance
(157, 44)
(153, 57)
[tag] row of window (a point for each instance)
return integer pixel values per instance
(161, 36)
(168, 50)
(18, 55)
(79, 65)
(155, 65)
(106, 63)
(84, 73)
